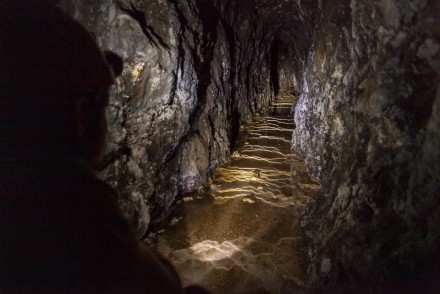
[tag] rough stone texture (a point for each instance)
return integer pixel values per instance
(193, 72)
(367, 118)
(368, 127)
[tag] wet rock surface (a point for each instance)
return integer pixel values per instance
(368, 127)
(242, 234)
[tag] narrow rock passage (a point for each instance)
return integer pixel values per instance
(241, 235)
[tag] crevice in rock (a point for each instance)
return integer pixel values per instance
(233, 114)
(274, 67)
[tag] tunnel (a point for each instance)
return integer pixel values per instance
(364, 116)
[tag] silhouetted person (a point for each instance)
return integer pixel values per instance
(61, 230)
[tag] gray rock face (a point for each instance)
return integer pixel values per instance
(368, 127)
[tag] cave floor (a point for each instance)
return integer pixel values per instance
(241, 235)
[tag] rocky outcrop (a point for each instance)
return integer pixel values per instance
(368, 127)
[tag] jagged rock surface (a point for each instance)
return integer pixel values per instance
(368, 127)
(367, 118)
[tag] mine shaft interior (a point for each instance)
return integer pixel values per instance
(277, 146)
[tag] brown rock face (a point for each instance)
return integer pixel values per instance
(367, 118)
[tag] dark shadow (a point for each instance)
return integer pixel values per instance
(274, 75)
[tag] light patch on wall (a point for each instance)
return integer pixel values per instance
(137, 70)
(134, 169)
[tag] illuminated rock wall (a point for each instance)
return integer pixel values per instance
(193, 72)
(368, 127)
(367, 118)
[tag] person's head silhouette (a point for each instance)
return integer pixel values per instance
(61, 227)
(53, 81)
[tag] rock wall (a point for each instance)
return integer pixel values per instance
(367, 118)
(193, 72)
(368, 127)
